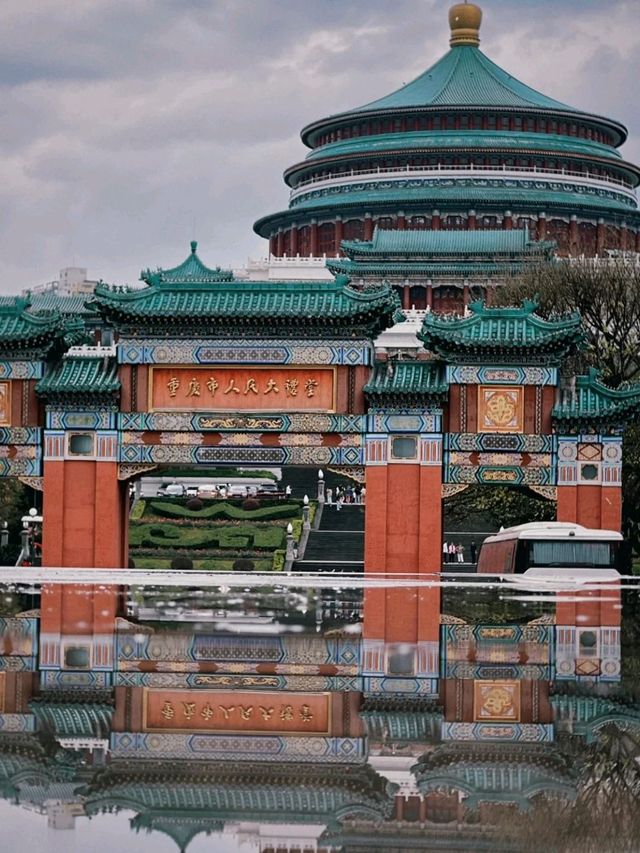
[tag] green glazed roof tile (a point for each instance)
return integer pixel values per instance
(22, 331)
(264, 306)
(480, 190)
(395, 380)
(498, 140)
(465, 76)
(490, 333)
(403, 242)
(593, 402)
(79, 377)
(72, 305)
(190, 271)
(436, 269)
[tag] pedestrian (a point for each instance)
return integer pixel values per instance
(329, 496)
(339, 500)
(460, 553)
(445, 552)
(363, 493)
(452, 552)
(473, 549)
(287, 492)
(358, 491)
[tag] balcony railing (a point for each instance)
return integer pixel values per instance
(585, 178)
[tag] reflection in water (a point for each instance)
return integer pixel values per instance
(304, 719)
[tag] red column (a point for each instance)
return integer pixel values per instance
(294, 241)
(637, 241)
(82, 514)
(314, 238)
(507, 222)
(465, 295)
(368, 226)
(435, 220)
(600, 232)
(430, 296)
(472, 221)
(401, 221)
(406, 297)
(338, 237)
(623, 236)
(280, 243)
(541, 228)
(573, 236)
(403, 534)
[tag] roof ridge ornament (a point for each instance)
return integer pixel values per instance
(465, 20)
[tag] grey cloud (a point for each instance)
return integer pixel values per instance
(123, 121)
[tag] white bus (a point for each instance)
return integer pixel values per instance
(553, 545)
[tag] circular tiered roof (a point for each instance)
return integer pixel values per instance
(463, 136)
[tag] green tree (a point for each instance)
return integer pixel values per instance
(491, 507)
(607, 295)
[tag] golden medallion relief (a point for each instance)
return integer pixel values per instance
(500, 409)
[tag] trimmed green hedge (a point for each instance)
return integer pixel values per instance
(238, 538)
(223, 510)
(213, 564)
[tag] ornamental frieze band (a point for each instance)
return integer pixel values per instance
(162, 351)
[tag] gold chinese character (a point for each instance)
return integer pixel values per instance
(227, 711)
(310, 387)
(173, 384)
(291, 387)
(212, 385)
(207, 712)
(272, 385)
(267, 713)
(286, 712)
(167, 710)
(232, 387)
(188, 709)
(305, 714)
(251, 386)
(246, 713)
(194, 388)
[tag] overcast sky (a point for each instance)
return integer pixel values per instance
(129, 126)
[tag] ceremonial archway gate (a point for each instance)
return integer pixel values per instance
(209, 369)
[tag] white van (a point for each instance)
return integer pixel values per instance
(171, 490)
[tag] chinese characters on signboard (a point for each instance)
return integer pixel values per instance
(237, 711)
(257, 388)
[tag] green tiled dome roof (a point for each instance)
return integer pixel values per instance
(465, 76)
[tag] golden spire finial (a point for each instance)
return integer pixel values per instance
(464, 20)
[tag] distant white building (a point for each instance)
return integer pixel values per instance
(73, 281)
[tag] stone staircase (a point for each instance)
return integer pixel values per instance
(338, 544)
